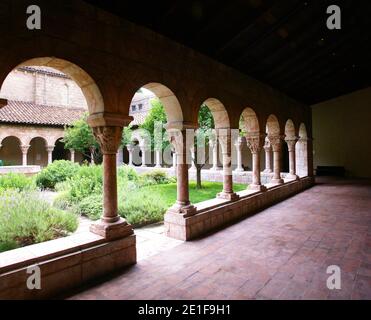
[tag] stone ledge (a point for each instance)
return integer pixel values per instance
(226, 212)
(84, 257)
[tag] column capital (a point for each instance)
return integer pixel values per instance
(50, 148)
(24, 148)
(276, 142)
(130, 147)
(72, 150)
(181, 140)
(291, 142)
(108, 138)
(255, 142)
(267, 146)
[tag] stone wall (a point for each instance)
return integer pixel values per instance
(39, 87)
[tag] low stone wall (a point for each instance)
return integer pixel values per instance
(225, 212)
(215, 176)
(28, 170)
(64, 264)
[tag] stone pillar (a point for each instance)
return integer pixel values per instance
(214, 146)
(158, 158)
(72, 152)
(225, 140)
(130, 149)
(276, 143)
(182, 145)
(24, 150)
(111, 225)
(193, 159)
(92, 155)
(268, 156)
(174, 159)
(291, 143)
(50, 153)
(144, 149)
(255, 143)
(238, 146)
(120, 156)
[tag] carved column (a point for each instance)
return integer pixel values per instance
(144, 149)
(120, 156)
(50, 153)
(214, 146)
(291, 143)
(130, 149)
(174, 158)
(276, 143)
(158, 158)
(268, 156)
(72, 152)
(24, 150)
(224, 136)
(92, 155)
(182, 145)
(193, 159)
(238, 146)
(255, 143)
(111, 224)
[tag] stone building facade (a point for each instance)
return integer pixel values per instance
(40, 102)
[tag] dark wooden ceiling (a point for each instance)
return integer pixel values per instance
(284, 43)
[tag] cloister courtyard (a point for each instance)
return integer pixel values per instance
(142, 162)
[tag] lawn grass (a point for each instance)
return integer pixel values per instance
(168, 192)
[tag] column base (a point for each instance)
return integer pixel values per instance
(144, 166)
(112, 231)
(215, 169)
(239, 170)
(292, 177)
(267, 171)
(228, 196)
(184, 210)
(277, 181)
(158, 166)
(257, 187)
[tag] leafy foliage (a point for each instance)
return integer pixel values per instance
(26, 219)
(156, 115)
(56, 172)
(16, 181)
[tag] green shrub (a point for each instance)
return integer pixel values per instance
(87, 181)
(140, 208)
(126, 172)
(91, 206)
(155, 177)
(16, 181)
(56, 172)
(25, 220)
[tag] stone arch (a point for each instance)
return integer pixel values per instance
(88, 86)
(290, 129)
(10, 150)
(250, 121)
(170, 102)
(273, 126)
(219, 112)
(37, 153)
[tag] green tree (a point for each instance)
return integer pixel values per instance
(156, 114)
(79, 136)
(202, 139)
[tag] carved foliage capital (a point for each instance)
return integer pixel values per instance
(276, 142)
(255, 142)
(291, 142)
(108, 138)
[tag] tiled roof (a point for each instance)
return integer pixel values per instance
(30, 113)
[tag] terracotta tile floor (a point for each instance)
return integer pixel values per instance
(280, 253)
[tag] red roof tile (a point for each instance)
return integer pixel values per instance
(30, 113)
